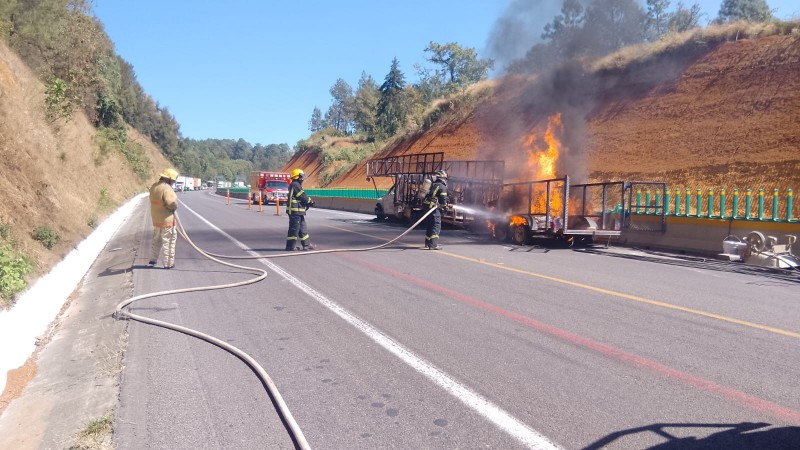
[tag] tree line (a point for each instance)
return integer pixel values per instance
(230, 159)
(64, 42)
(380, 111)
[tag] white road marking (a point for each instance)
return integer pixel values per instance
(473, 400)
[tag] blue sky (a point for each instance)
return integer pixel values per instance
(256, 69)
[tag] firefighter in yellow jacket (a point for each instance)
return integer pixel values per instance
(163, 203)
(296, 206)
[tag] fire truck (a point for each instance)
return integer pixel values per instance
(271, 187)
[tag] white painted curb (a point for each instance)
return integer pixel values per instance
(37, 307)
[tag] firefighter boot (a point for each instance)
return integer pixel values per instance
(309, 246)
(290, 246)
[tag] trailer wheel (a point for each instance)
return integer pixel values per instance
(519, 234)
(580, 241)
(757, 241)
(501, 232)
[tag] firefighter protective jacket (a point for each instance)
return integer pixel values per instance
(438, 195)
(163, 203)
(298, 200)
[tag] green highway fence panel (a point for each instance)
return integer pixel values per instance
(365, 193)
(702, 203)
(691, 206)
(236, 190)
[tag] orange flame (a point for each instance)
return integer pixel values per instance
(517, 220)
(542, 157)
(490, 225)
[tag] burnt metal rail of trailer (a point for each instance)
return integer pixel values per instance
(420, 163)
(473, 184)
(532, 208)
(407, 173)
(609, 208)
(597, 209)
(554, 208)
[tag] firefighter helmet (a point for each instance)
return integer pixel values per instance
(170, 174)
(298, 174)
(441, 174)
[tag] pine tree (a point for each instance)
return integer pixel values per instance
(316, 123)
(365, 105)
(340, 114)
(657, 18)
(392, 108)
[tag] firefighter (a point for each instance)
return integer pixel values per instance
(163, 203)
(436, 198)
(296, 206)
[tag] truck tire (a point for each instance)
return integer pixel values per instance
(501, 232)
(519, 234)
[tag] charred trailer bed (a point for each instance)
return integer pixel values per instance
(579, 213)
(472, 184)
(407, 172)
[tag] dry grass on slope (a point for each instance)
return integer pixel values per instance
(689, 41)
(54, 174)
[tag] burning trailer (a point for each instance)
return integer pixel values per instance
(578, 213)
(517, 212)
(472, 186)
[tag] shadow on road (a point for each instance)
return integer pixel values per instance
(731, 436)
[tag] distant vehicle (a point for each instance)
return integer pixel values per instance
(270, 186)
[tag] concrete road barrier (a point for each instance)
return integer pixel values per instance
(704, 236)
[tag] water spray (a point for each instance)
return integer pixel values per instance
(484, 214)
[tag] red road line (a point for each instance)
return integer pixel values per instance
(781, 412)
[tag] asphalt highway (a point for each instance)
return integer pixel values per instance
(480, 345)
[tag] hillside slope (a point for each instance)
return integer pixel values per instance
(54, 174)
(720, 115)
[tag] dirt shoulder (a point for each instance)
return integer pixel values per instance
(79, 360)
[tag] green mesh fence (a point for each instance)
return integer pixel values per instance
(233, 190)
(747, 204)
(367, 193)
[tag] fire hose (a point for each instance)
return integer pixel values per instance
(292, 427)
